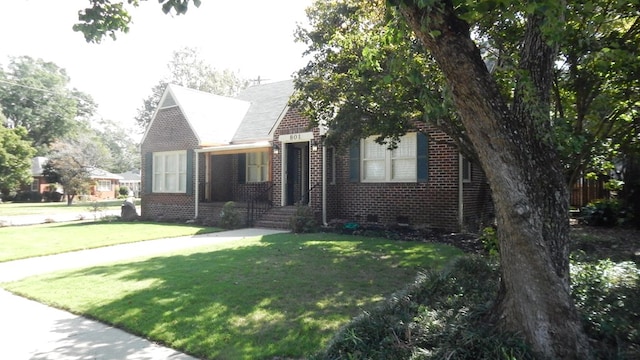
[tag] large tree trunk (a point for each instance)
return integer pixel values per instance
(523, 169)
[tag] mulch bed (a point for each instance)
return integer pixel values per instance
(592, 242)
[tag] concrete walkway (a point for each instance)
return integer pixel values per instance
(30, 330)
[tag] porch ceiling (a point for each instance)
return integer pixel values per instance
(236, 148)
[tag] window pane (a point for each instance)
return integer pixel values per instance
(158, 164)
(158, 182)
(251, 159)
(170, 165)
(264, 173)
(171, 182)
(373, 170)
(252, 174)
(183, 163)
(404, 169)
(406, 147)
(373, 150)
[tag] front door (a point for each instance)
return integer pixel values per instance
(297, 173)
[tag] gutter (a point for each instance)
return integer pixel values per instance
(324, 185)
(460, 193)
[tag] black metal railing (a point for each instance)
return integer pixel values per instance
(304, 200)
(258, 204)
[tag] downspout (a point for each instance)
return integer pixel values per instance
(324, 185)
(197, 189)
(460, 193)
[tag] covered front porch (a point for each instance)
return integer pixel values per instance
(239, 173)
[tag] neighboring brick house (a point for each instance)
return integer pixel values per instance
(201, 150)
(38, 182)
(104, 186)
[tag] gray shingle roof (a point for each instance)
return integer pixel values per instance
(268, 103)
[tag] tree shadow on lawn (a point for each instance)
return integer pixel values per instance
(284, 296)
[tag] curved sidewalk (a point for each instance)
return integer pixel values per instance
(30, 330)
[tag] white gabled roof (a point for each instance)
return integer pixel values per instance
(37, 163)
(213, 119)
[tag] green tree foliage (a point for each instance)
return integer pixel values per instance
(482, 72)
(369, 75)
(597, 84)
(34, 95)
(15, 158)
(106, 17)
(187, 69)
(123, 154)
(71, 162)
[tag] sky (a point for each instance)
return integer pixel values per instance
(252, 37)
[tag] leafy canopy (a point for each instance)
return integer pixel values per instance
(369, 75)
(106, 17)
(15, 158)
(34, 94)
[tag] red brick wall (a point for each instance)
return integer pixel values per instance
(434, 203)
(294, 122)
(478, 206)
(168, 132)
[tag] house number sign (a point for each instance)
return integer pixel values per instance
(296, 137)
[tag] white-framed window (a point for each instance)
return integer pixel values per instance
(466, 170)
(35, 185)
(331, 165)
(379, 164)
(170, 172)
(104, 185)
(258, 166)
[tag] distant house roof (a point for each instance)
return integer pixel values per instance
(130, 176)
(97, 173)
(213, 118)
(36, 165)
(268, 104)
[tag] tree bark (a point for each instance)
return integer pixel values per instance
(515, 150)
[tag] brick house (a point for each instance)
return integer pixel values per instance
(104, 184)
(201, 150)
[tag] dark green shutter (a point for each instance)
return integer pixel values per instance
(242, 168)
(190, 180)
(422, 157)
(148, 173)
(354, 162)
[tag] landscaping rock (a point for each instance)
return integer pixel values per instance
(128, 210)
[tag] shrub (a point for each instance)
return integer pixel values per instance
(303, 221)
(439, 316)
(489, 240)
(28, 196)
(607, 295)
(123, 191)
(52, 196)
(229, 216)
(602, 212)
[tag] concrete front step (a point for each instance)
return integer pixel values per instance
(276, 218)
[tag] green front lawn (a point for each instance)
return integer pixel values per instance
(280, 295)
(18, 242)
(48, 208)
